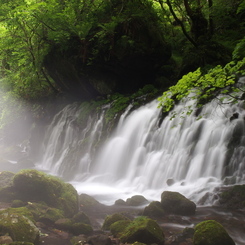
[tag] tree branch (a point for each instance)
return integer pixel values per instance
(180, 23)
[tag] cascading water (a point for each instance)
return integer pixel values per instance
(189, 154)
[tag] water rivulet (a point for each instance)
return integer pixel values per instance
(192, 154)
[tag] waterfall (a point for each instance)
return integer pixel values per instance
(189, 154)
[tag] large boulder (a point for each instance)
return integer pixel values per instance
(110, 219)
(34, 186)
(136, 200)
(175, 203)
(154, 210)
(211, 232)
(233, 197)
(19, 227)
(143, 230)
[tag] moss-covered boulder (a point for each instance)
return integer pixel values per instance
(35, 186)
(175, 203)
(81, 228)
(211, 232)
(81, 217)
(86, 200)
(42, 212)
(119, 227)
(136, 200)
(19, 227)
(110, 219)
(143, 230)
(23, 211)
(64, 224)
(233, 197)
(154, 210)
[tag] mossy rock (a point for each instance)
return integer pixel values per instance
(86, 200)
(175, 203)
(19, 227)
(143, 230)
(120, 202)
(138, 243)
(233, 197)
(110, 219)
(154, 210)
(6, 178)
(211, 232)
(81, 228)
(42, 212)
(81, 217)
(17, 204)
(24, 211)
(136, 200)
(119, 227)
(64, 224)
(35, 186)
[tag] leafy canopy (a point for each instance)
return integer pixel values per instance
(205, 87)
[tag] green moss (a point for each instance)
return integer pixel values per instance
(24, 211)
(81, 217)
(110, 219)
(211, 232)
(17, 204)
(35, 186)
(143, 229)
(19, 227)
(119, 103)
(43, 212)
(81, 228)
(154, 209)
(64, 224)
(118, 227)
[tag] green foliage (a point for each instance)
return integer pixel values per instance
(239, 51)
(205, 87)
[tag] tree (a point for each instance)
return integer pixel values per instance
(220, 83)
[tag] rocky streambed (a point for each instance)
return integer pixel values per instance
(56, 214)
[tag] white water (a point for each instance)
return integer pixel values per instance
(140, 156)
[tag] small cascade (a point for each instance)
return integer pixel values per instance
(190, 154)
(69, 148)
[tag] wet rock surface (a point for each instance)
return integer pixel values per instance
(87, 225)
